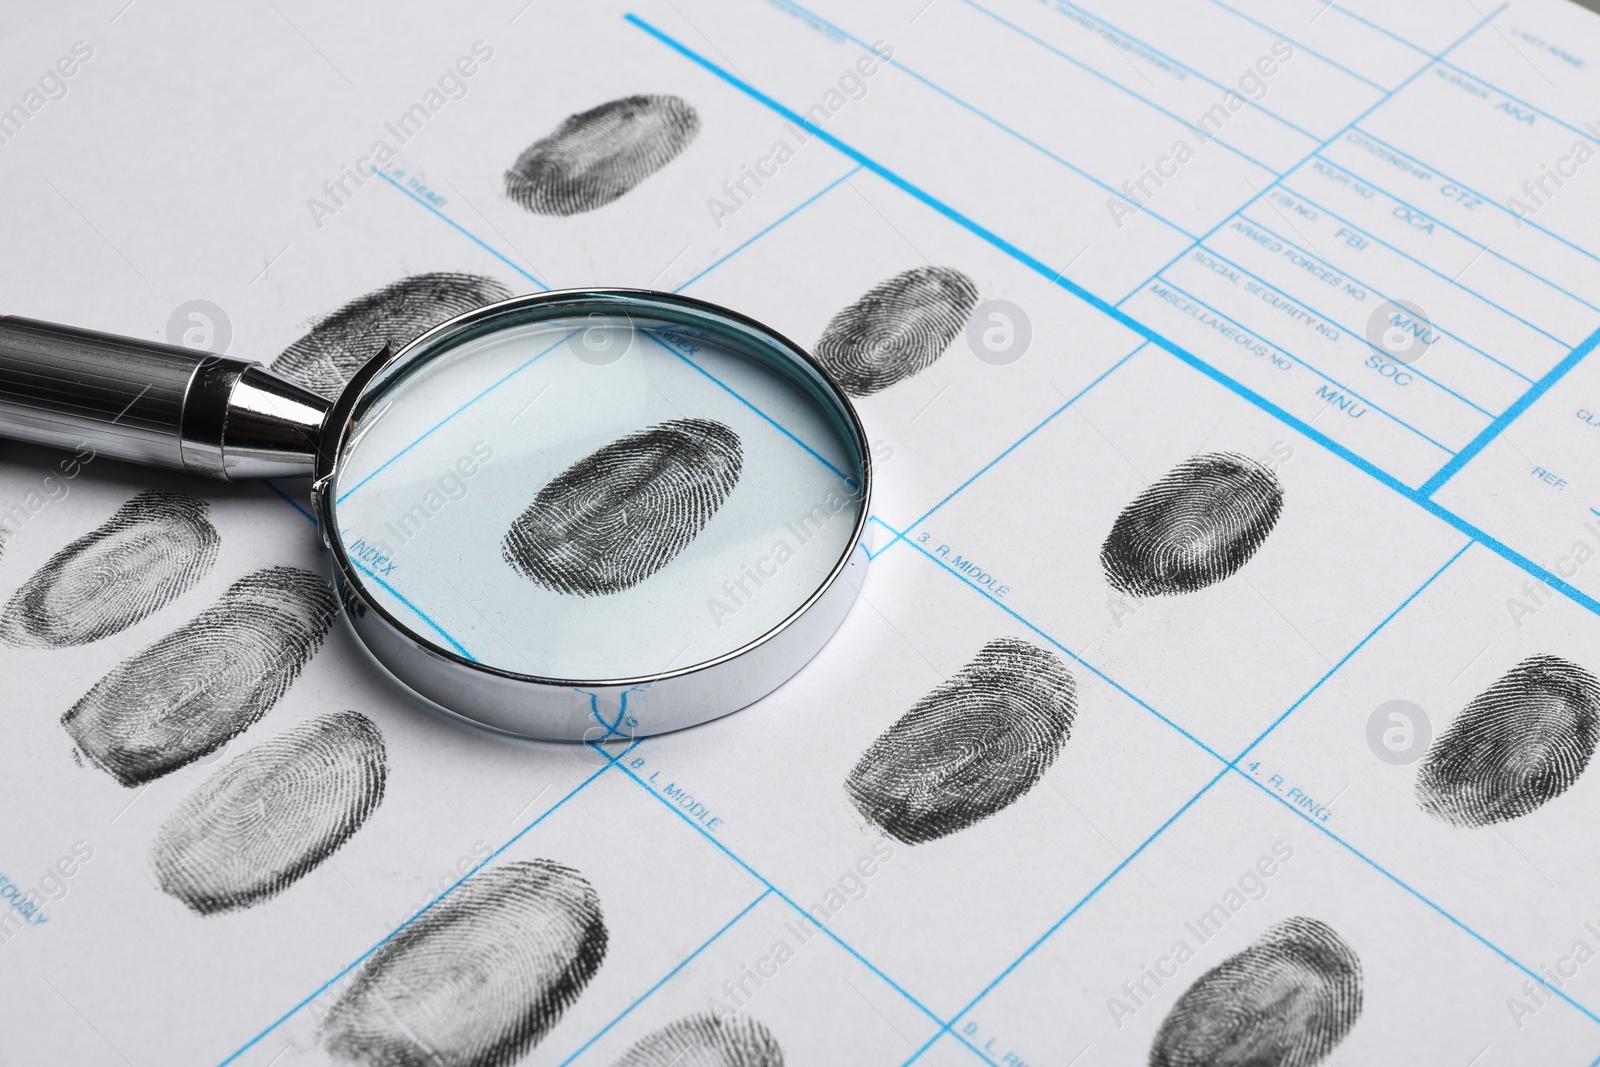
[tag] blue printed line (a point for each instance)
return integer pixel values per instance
(1505, 552)
(1382, 476)
(1313, 153)
(1406, 255)
(925, 516)
(1443, 225)
(1174, 116)
(495, 385)
(770, 420)
(291, 501)
(877, 168)
(1320, 374)
(353, 964)
(427, 433)
(1421, 897)
(898, 534)
(609, 727)
(540, 820)
(1305, 304)
(1262, 736)
(1511, 414)
(775, 890)
(1310, 254)
(1205, 370)
(594, 713)
(1362, 464)
(1202, 76)
(1385, 478)
(791, 901)
(948, 1027)
(1381, 29)
(807, 202)
(365, 570)
(985, 116)
(1334, 63)
(1464, 72)
(746, 910)
(780, 894)
(418, 612)
(462, 229)
(1231, 765)
(1085, 664)
(1055, 276)
(1491, 201)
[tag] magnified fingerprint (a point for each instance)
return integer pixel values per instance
(702, 1041)
(971, 747)
(1517, 746)
(205, 682)
(324, 359)
(480, 978)
(269, 816)
(617, 516)
(1285, 1001)
(1196, 525)
(596, 156)
(152, 551)
(897, 329)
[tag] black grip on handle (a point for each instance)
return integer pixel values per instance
(64, 387)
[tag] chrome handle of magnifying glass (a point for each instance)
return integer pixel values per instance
(154, 404)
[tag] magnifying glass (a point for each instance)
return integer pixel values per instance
(577, 515)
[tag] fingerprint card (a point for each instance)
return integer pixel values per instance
(1224, 674)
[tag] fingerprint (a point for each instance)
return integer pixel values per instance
(205, 682)
(594, 157)
(271, 815)
(615, 517)
(480, 978)
(969, 748)
(898, 329)
(152, 551)
(324, 359)
(1285, 1001)
(1517, 746)
(1193, 527)
(703, 1041)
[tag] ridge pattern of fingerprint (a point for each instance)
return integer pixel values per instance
(1286, 1000)
(271, 815)
(704, 1040)
(337, 346)
(897, 329)
(620, 514)
(969, 748)
(478, 979)
(1518, 745)
(1194, 526)
(597, 156)
(205, 682)
(155, 548)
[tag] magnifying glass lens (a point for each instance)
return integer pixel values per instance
(594, 497)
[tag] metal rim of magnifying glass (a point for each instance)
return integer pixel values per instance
(600, 709)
